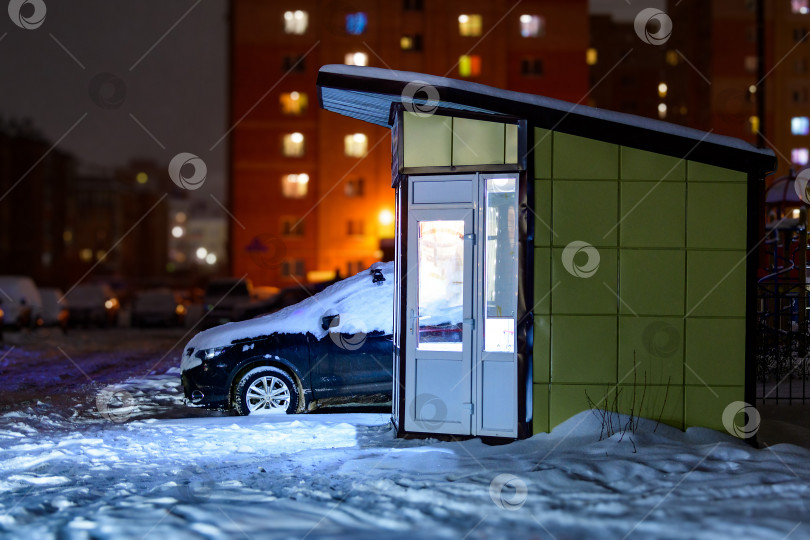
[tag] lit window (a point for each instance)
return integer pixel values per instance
(469, 65)
(294, 144)
(672, 58)
(291, 226)
(801, 7)
(295, 22)
(356, 23)
(799, 156)
(86, 254)
(753, 124)
(531, 67)
(356, 59)
(751, 63)
(591, 57)
(355, 145)
(800, 125)
(469, 25)
(294, 186)
(532, 26)
(353, 187)
(294, 103)
(411, 43)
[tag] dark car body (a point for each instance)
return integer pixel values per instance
(336, 368)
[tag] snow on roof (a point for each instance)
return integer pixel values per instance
(472, 96)
(363, 306)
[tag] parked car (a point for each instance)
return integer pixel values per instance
(225, 300)
(93, 304)
(20, 301)
(54, 308)
(335, 346)
(157, 307)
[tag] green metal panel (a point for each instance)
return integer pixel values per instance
(542, 213)
(566, 400)
(716, 216)
(540, 408)
(476, 142)
(656, 346)
(654, 402)
(542, 280)
(715, 283)
(583, 349)
(652, 214)
(586, 159)
(700, 172)
(643, 165)
(704, 406)
(582, 295)
(652, 281)
(542, 150)
(586, 211)
(511, 144)
(715, 351)
(427, 140)
(541, 366)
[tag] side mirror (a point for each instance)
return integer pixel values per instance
(326, 321)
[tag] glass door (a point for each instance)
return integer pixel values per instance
(439, 330)
(496, 357)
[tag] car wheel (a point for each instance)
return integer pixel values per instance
(266, 389)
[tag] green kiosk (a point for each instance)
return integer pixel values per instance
(552, 257)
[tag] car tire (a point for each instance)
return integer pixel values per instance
(266, 388)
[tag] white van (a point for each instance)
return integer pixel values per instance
(20, 301)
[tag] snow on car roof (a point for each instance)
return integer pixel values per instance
(363, 306)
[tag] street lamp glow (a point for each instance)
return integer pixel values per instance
(211, 258)
(177, 231)
(297, 138)
(463, 19)
(201, 252)
(662, 89)
(386, 217)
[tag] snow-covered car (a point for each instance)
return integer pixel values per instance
(54, 308)
(93, 304)
(20, 301)
(335, 346)
(159, 307)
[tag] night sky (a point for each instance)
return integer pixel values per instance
(95, 69)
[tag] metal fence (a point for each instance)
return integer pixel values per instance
(783, 359)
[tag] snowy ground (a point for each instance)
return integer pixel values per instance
(147, 466)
